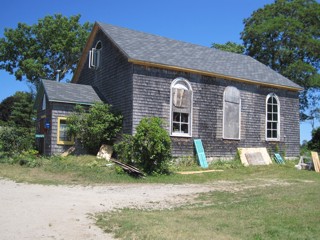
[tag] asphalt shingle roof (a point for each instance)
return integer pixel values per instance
(70, 92)
(151, 48)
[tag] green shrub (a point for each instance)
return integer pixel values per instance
(94, 127)
(149, 149)
(15, 140)
(124, 149)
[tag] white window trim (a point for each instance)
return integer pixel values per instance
(278, 123)
(94, 56)
(223, 136)
(44, 102)
(174, 82)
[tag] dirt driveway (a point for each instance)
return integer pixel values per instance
(30, 211)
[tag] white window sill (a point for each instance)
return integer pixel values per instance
(180, 135)
(273, 140)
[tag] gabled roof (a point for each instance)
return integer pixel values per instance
(67, 93)
(152, 50)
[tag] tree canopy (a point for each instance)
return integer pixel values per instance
(285, 36)
(17, 110)
(229, 47)
(40, 50)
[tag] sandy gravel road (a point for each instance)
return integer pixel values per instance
(30, 211)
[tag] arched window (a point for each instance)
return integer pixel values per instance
(94, 56)
(181, 108)
(231, 113)
(272, 117)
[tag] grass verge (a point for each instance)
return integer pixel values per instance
(286, 209)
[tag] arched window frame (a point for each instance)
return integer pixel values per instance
(174, 85)
(224, 114)
(269, 119)
(95, 55)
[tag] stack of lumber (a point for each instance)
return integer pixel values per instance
(129, 168)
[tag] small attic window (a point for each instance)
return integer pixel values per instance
(94, 56)
(44, 102)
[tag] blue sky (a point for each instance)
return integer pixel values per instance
(201, 22)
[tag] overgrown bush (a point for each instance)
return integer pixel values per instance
(124, 149)
(15, 140)
(94, 127)
(149, 149)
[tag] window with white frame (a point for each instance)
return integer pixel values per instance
(272, 117)
(94, 56)
(181, 108)
(231, 113)
(44, 105)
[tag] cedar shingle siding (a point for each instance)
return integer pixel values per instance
(136, 72)
(152, 98)
(113, 79)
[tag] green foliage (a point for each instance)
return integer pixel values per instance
(15, 140)
(94, 127)
(6, 109)
(17, 110)
(314, 143)
(38, 51)
(17, 131)
(229, 47)
(285, 36)
(124, 149)
(149, 149)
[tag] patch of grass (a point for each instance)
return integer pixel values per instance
(70, 170)
(88, 169)
(286, 209)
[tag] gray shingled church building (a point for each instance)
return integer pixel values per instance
(225, 99)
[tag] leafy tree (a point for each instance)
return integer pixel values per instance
(285, 35)
(229, 47)
(17, 131)
(23, 114)
(94, 127)
(314, 143)
(17, 110)
(6, 108)
(40, 50)
(149, 149)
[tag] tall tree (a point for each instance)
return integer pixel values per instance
(229, 47)
(285, 35)
(22, 114)
(40, 50)
(6, 109)
(17, 110)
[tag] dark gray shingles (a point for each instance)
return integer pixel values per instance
(70, 92)
(160, 50)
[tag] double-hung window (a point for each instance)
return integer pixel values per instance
(272, 118)
(181, 108)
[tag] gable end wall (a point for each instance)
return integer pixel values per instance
(112, 80)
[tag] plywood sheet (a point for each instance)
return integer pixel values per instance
(254, 156)
(196, 172)
(316, 162)
(200, 153)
